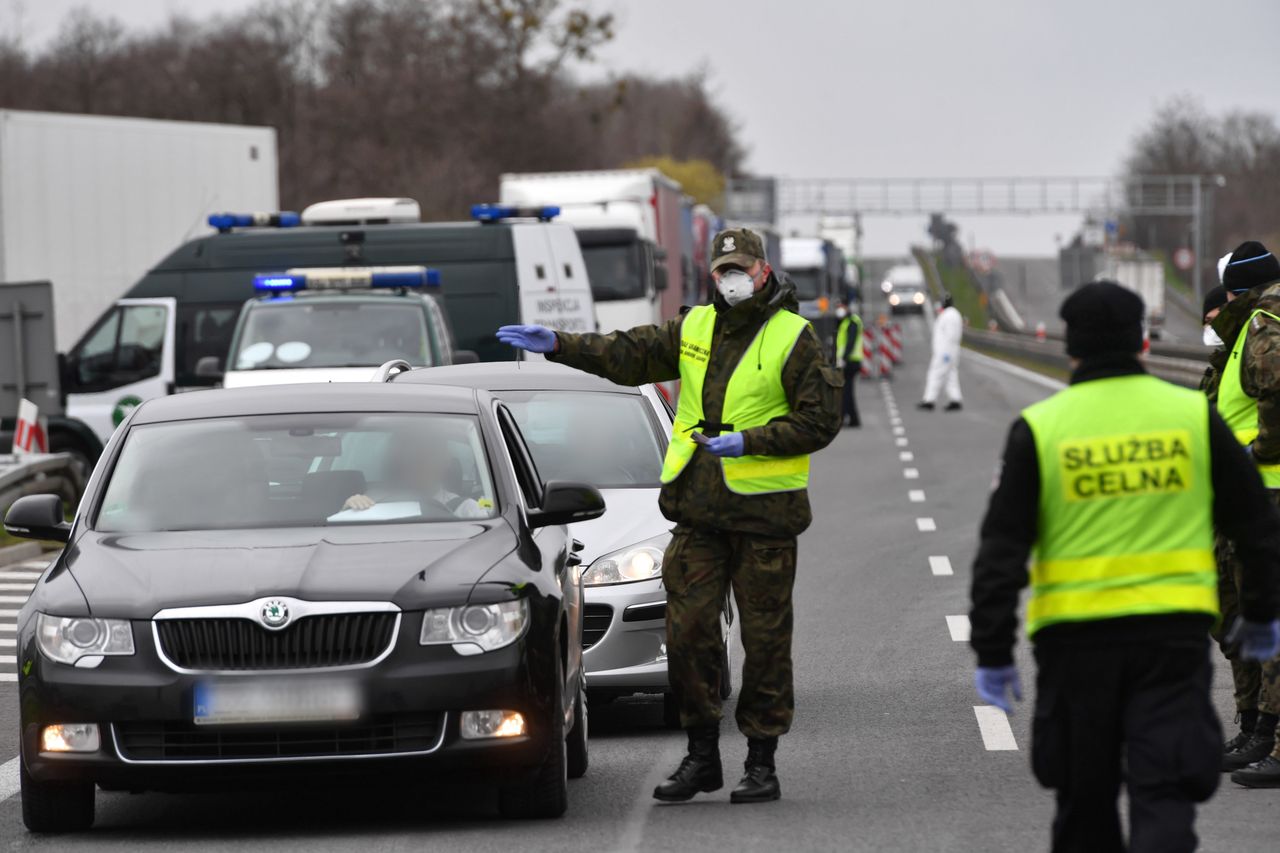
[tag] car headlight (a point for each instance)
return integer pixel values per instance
(638, 562)
(894, 299)
(918, 299)
(488, 626)
(67, 639)
(886, 286)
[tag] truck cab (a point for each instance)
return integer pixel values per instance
(506, 265)
(628, 275)
(816, 267)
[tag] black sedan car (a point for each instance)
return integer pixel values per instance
(318, 580)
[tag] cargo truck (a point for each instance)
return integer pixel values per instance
(816, 266)
(630, 225)
(1145, 277)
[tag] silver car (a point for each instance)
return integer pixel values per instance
(584, 428)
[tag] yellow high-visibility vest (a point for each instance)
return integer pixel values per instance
(1126, 503)
(842, 338)
(753, 397)
(1237, 408)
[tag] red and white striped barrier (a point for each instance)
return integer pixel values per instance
(884, 352)
(894, 334)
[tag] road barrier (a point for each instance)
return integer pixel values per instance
(1169, 362)
(46, 473)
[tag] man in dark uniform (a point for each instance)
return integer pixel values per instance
(757, 396)
(1115, 484)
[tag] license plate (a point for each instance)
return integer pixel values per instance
(285, 700)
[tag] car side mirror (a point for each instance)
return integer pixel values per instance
(565, 503)
(209, 367)
(38, 517)
(465, 356)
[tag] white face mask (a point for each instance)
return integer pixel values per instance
(736, 286)
(841, 313)
(1211, 338)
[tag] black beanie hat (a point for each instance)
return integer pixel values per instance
(1214, 299)
(1103, 318)
(1251, 266)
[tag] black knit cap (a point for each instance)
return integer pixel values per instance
(1103, 318)
(1213, 300)
(1251, 266)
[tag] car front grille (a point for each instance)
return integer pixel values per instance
(595, 622)
(182, 741)
(229, 644)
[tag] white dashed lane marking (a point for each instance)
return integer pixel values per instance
(940, 565)
(926, 525)
(997, 736)
(959, 628)
(901, 442)
(911, 473)
(899, 430)
(916, 496)
(9, 778)
(907, 456)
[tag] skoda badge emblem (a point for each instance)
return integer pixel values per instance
(275, 613)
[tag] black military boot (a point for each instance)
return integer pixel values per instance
(925, 406)
(1260, 774)
(760, 783)
(1256, 748)
(954, 406)
(699, 771)
(1247, 720)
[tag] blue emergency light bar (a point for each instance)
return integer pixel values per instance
(498, 212)
(224, 222)
(346, 278)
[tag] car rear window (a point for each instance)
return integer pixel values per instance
(611, 441)
(298, 471)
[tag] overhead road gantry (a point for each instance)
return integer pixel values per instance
(1188, 196)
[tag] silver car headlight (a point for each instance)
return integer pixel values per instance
(487, 626)
(638, 562)
(918, 298)
(894, 299)
(66, 639)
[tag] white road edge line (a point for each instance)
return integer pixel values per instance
(1015, 370)
(940, 565)
(9, 778)
(959, 628)
(909, 473)
(916, 496)
(926, 525)
(997, 736)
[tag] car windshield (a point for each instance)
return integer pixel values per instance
(808, 283)
(296, 333)
(298, 471)
(606, 439)
(614, 272)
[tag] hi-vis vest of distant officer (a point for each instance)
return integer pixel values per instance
(1237, 408)
(1126, 503)
(842, 338)
(754, 397)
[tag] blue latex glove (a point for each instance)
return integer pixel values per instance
(531, 338)
(1258, 640)
(994, 683)
(729, 444)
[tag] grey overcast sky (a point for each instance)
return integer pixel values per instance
(906, 88)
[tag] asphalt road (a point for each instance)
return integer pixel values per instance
(887, 752)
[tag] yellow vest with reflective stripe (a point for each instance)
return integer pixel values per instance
(753, 397)
(1237, 408)
(842, 338)
(1126, 503)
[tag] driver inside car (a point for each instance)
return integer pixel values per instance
(417, 466)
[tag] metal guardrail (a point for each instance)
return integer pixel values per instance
(48, 473)
(1177, 369)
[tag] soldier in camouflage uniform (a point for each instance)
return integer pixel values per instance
(723, 538)
(1250, 367)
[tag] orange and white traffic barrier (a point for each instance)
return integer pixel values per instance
(895, 342)
(1041, 332)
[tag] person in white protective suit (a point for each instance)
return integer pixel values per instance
(948, 328)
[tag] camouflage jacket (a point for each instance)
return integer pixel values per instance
(1260, 368)
(699, 497)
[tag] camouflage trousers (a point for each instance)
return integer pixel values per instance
(1257, 685)
(698, 570)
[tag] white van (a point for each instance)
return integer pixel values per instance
(507, 265)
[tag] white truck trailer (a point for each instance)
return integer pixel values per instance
(90, 203)
(1145, 277)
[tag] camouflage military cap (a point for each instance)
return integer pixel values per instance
(739, 247)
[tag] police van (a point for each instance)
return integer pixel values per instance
(336, 324)
(507, 265)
